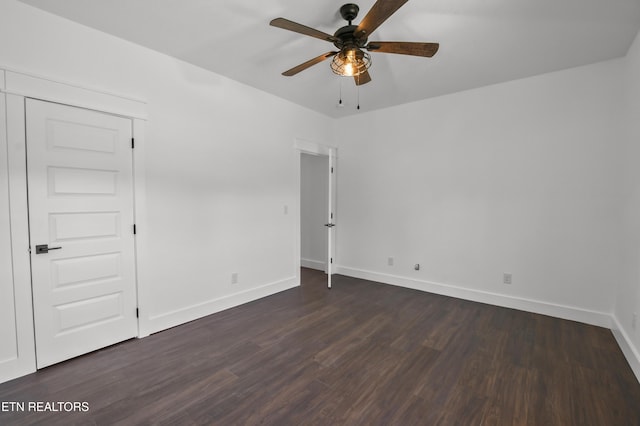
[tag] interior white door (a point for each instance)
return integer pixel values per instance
(80, 184)
(331, 219)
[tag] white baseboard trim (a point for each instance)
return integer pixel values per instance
(600, 319)
(313, 264)
(189, 313)
(630, 352)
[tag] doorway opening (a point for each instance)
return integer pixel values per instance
(317, 220)
(314, 204)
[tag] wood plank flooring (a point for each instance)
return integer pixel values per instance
(361, 353)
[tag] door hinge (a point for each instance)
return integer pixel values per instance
(331, 215)
(137, 313)
(133, 143)
(332, 170)
(332, 260)
(134, 229)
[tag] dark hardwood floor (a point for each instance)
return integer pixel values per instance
(360, 353)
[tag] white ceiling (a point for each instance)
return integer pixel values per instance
(482, 42)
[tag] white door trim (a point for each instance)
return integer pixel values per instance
(331, 218)
(15, 87)
(48, 89)
(302, 146)
(24, 361)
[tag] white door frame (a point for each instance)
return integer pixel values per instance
(14, 88)
(305, 147)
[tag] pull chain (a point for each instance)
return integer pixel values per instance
(358, 92)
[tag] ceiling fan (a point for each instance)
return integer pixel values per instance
(352, 40)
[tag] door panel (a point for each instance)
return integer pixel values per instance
(79, 167)
(330, 224)
(78, 226)
(65, 181)
(85, 270)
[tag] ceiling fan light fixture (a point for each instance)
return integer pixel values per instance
(350, 62)
(351, 41)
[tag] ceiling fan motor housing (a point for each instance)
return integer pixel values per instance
(346, 37)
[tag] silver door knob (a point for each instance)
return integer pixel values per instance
(44, 248)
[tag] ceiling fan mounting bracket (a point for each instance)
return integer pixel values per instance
(349, 12)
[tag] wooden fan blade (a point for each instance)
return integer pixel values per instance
(309, 63)
(286, 24)
(404, 48)
(380, 12)
(363, 78)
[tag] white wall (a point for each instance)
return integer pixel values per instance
(314, 193)
(628, 291)
(220, 165)
(522, 177)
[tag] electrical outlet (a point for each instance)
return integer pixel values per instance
(506, 278)
(390, 261)
(234, 278)
(634, 321)
(416, 266)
